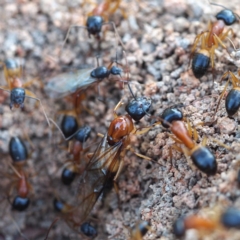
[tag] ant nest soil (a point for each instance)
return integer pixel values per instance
(158, 36)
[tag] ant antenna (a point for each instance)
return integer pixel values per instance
(129, 87)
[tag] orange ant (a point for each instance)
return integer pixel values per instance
(210, 40)
(19, 155)
(213, 219)
(95, 20)
(106, 162)
(232, 102)
(12, 72)
(201, 156)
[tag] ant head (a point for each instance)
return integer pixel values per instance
(88, 230)
(179, 227)
(68, 175)
(17, 97)
(58, 205)
(231, 218)
(94, 24)
(69, 125)
(20, 204)
(138, 107)
(11, 64)
(17, 150)
(143, 227)
(83, 134)
(227, 16)
(115, 70)
(169, 115)
(100, 73)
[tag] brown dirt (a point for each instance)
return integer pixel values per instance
(157, 35)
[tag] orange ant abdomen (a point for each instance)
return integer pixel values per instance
(119, 128)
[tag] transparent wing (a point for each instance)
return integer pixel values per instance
(99, 172)
(67, 83)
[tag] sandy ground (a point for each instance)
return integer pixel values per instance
(157, 36)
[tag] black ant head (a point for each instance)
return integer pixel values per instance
(11, 64)
(68, 176)
(138, 107)
(100, 73)
(17, 150)
(20, 204)
(179, 227)
(88, 230)
(83, 134)
(94, 24)
(58, 205)
(17, 97)
(69, 125)
(227, 16)
(115, 70)
(169, 115)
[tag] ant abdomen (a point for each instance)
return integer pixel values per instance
(200, 63)
(205, 161)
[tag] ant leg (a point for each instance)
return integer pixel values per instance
(220, 98)
(120, 103)
(218, 40)
(51, 226)
(18, 229)
(235, 80)
(225, 35)
(5, 88)
(29, 94)
(30, 82)
(196, 41)
(68, 32)
(116, 33)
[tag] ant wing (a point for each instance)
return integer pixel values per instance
(99, 174)
(67, 83)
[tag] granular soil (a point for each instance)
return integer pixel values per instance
(158, 36)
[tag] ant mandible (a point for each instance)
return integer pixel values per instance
(210, 41)
(13, 72)
(201, 156)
